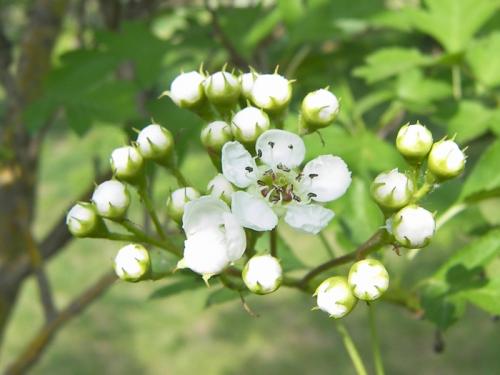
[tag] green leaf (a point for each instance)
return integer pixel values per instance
(413, 87)
(484, 59)
(220, 296)
(391, 61)
(486, 297)
(440, 308)
(289, 260)
(178, 286)
(453, 23)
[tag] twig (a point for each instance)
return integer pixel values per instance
(39, 343)
(326, 244)
(351, 349)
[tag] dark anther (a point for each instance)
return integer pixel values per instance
(296, 198)
(271, 144)
(311, 195)
(312, 175)
(259, 153)
(249, 169)
(261, 183)
(290, 147)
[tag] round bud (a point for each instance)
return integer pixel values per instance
(222, 88)
(446, 160)
(249, 123)
(177, 201)
(262, 274)
(215, 135)
(186, 89)
(82, 220)
(368, 279)
(111, 199)
(271, 92)
(155, 142)
(414, 141)
(319, 109)
(132, 263)
(412, 226)
(126, 163)
(334, 296)
(392, 190)
(220, 187)
(246, 81)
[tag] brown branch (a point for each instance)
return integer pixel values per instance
(39, 343)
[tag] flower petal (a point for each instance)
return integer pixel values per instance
(276, 147)
(310, 218)
(253, 212)
(238, 165)
(235, 237)
(203, 212)
(325, 178)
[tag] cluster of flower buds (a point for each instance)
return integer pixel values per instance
(398, 193)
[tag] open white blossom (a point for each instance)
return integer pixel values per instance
(132, 262)
(126, 162)
(414, 141)
(155, 142)
(392, 189)
(368, 279)
(277, 187)
(177, 201)
(111, 199)
(412, 226)
(271, 92)
(249, 123)
(335, 297)
(319, 109)
(262, 274)
(446, 160)
(186, 89)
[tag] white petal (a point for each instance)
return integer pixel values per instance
(326, 178)
(253, 212)
(310, 218)
(203, 212)
(238, 165)
(276, 147)
(235, 237)
(205, 252)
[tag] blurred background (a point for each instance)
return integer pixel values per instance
(78, 76)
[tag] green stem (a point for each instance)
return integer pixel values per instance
(273, 242)
(425, 188)
(140, 236)
(351, 349)
(450, 213)
(121, 237)
(181, 180)
(456, 81)
(326, 245)
(152, 212)
(377, 358)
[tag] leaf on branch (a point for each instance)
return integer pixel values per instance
(484, 59)
(186, 283)
(222, 295)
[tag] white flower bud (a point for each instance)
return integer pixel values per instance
(392, 189)
(132, 263)
(111, 199)
(155, 142)
(246, 81)
(319, 109)
(222, 88)
(249, 123)
(82, 220)
(412, 226)
(177, 201)
(368, 279)
(271, 92)
(414, 141)
(446, 160)
(126, 163)
(220, 187)
(262, 274)
(215, 135)
(186, 89)
(334, 296)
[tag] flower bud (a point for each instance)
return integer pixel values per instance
(126, 163)
(271, 92)
(319, 109)
(222, 88)
(368, 279)
(177, 201)
(412, 226)
(155, 143)
(220, 187)
(215, 135)
(111, 199)
(246, 81)
(414, 141)
(82, 221)
(186, 89)
(249, 123)
(262, 274)
(392, 190)
(446, 160)
(334, 296)
(132, 263)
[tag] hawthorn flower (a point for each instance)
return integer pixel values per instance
(214, 236)
(126, 163)
(249, 123)
(446, 160)
(318, 110)
(412, 226)
(111, 199)
(262, 274)
(186, 89)
(132, 263)
(220, 187)
(368, 279)
(392, 189)
(247, 81)
(334, 296)
(271, 92)
(276, 187)
(414, 141)
(222, 88)
(83, 221)
(177, 201)
(155, 142)
(215, 135)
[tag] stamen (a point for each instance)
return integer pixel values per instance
(290, 147)
(312, 175)
(312, 195)
(296, 198)
(249, 169)
(261, 183)
(259, 153)
(271, 144)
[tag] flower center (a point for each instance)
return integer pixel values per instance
(278, 185)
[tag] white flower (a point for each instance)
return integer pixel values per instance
(126, 162)
(222, 88)
(392, 189)
(215, 135)
(276, 187)
(414, 141)
(111, 199)
(82, 220)
(220, 187)
(249, 123)
(246, 81)
(446, 160)
(334, 296)
(186, 89)
(262, 274)
(368, 279)
(271, 92)
(155, 142)
(132, 263)
(319, 109)
(214, 237)
(177, 201)
(412, 226)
